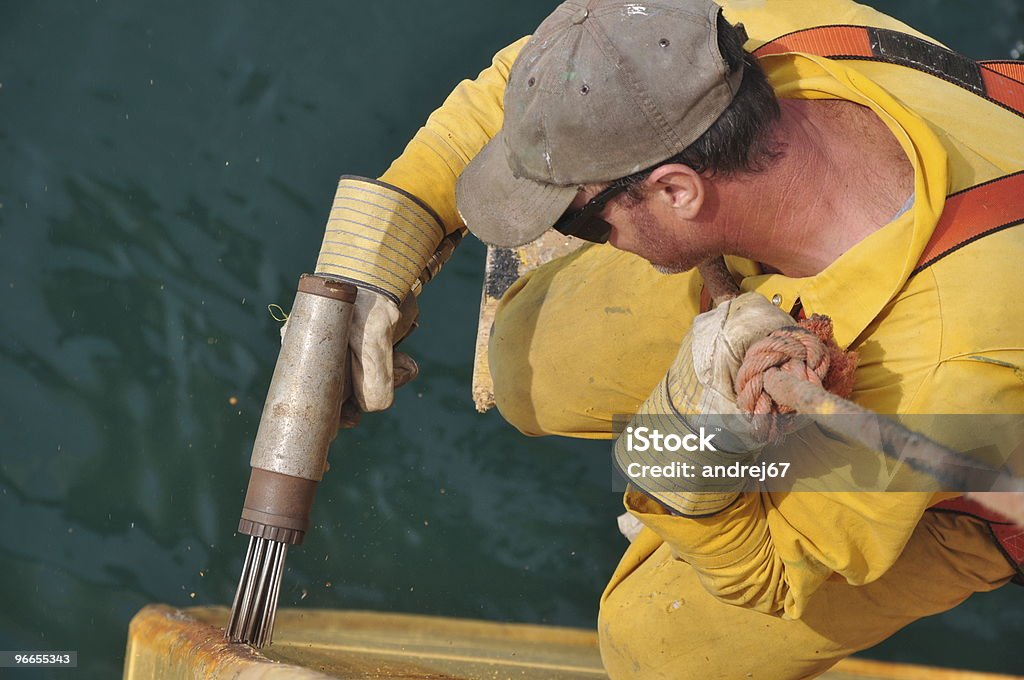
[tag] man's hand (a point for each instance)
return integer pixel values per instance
(719, 342)
(377, 369)
(697, 395)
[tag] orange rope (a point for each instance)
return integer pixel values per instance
(807, 351)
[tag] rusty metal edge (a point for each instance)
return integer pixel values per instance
(166, 642)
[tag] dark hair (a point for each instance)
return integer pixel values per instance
(740, 140)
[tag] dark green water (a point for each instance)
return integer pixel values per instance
(167, 171)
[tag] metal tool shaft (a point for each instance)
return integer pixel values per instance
(300, 419)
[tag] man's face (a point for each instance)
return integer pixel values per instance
(646, 226)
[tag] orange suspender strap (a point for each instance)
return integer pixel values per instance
(1000, 82)
(969, 214)
(973, 213)
(1011, 69)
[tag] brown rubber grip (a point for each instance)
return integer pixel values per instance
(329, 288)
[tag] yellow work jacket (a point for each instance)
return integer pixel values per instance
(947, 341)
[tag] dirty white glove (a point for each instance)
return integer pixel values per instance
(696, 403)
(377, 368)
(719, 342)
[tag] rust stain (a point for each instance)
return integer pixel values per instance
(180, 636)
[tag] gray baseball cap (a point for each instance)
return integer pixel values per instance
(603, 89)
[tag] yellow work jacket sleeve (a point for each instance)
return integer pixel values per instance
(453, 134)
(382, 235)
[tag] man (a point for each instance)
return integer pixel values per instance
(824, 180)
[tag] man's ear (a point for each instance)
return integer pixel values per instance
(679, 186)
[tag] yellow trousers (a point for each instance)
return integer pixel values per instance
(584, 339)
(657, 621)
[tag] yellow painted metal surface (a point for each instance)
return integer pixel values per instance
(169, 643)
(172, 644)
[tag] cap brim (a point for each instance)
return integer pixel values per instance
(501, 209)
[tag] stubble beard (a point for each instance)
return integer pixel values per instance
(657, 248)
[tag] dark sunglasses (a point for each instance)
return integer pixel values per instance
(586, 223)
